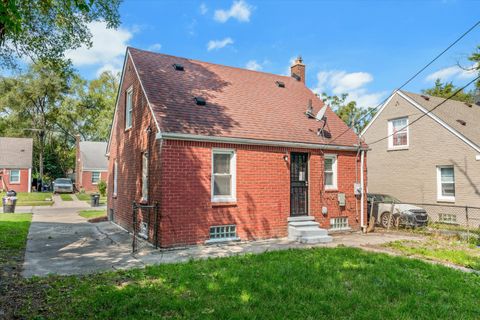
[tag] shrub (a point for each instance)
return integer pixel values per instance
(102, 188)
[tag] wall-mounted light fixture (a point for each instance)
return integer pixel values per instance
(285, 157)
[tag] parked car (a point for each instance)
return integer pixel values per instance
(407, 214)
(63, 185)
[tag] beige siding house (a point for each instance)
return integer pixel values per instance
(421, 153)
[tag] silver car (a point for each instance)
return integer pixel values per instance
(63, 185)
(407, 214)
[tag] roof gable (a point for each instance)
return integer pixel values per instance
(92, 155)
(239, 103)
(16, 152)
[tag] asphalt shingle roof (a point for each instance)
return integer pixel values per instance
(92, 155)
(240, 103)
(16, 152)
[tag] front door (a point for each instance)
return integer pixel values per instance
(299, 184)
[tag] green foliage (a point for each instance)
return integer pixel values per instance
(66, 197)
(13, 232)
(33, 198)
(102, 188)
(355, 117)
(44, 30)
(322, 283)
(475, 57)
(445, 90)
(91, 214)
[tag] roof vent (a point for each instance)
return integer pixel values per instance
(462, 122)
(309, 112)
(296, 77)
(469, 104)
(280, 84)
(200, 101)
(425, 97)
(178, 67)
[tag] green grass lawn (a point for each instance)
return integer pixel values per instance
(441, 249)
(90, 214)
(86, 197)
(32, 198)
(66, 197)
(326, 283)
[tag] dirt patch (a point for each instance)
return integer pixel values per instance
(99, 219)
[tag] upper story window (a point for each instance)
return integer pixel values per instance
(445, 183)
(330, 172)
(398, 133)
(14, 176)
(223, 175)
(95, 177)
(128, 108)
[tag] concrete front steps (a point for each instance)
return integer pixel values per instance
(305, 229)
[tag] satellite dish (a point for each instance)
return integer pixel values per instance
(321, 114)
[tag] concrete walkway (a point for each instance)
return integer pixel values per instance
(62, 242)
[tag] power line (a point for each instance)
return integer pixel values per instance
(411, 78)
(428, 112)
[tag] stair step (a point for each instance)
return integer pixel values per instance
(301, 218)
(315, 239)
(303, 223)
(306, 231)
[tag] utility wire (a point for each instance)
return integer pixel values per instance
(428, 112)
(411, 78)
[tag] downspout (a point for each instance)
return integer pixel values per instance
(29, 180)
(159, 138)
(362, 197)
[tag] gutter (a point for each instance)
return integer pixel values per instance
(274, 143)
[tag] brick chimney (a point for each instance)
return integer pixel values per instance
(297, 70)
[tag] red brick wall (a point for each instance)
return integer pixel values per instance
(87, 184)
(18, 187)
(180, 183)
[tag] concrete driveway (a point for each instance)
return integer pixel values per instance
(62, 242)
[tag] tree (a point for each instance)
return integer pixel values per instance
(45, 29)
(445, 90)
(355, 117)
(475, 58)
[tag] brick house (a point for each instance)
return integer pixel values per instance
(229, 153)
(16, 164)
(91, 166)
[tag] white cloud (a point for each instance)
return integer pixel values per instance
(338, 82)
(453, 72)
(108, 67)
(155, 47)
(253, 65)
(239, 10)
(203, 9)
(218, 44)
(108, 48)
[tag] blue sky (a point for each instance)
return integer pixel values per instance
(364, 48)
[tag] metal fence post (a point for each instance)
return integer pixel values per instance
(134, 217)
(468, 224)
(156, 225)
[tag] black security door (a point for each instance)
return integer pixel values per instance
(299, 184)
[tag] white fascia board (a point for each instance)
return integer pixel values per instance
(378, 113)
(440, 121)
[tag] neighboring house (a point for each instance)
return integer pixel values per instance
(16, 164)
(229, 153)
(91, 166)
(434, 160)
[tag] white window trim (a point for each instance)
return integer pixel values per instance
(441, 197)
(10, 176)
(128, 92)
(99, 177)
(334, 186)
(115, 178)
(390, 135)
(233, 172)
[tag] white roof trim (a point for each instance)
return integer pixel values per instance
(440, 121)
(247, 141)
(378, 113)
(118, 96)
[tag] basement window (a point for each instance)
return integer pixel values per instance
(340, 223)
(280, 84)
(178, 67)
(223, 233)
(447, 218)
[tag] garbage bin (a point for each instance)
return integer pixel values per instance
(95, 200)
(9, 202)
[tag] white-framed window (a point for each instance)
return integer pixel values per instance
(448, 218)
(145, 176)
(95, 177)
(340, 223)
(330, 172)
(223, 175)
(115, 178)
(14, 176)
(445, 183)
(398, 133)
(226, 232)
(128, 108)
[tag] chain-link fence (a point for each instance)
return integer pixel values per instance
(393, 214)
(145, 226)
